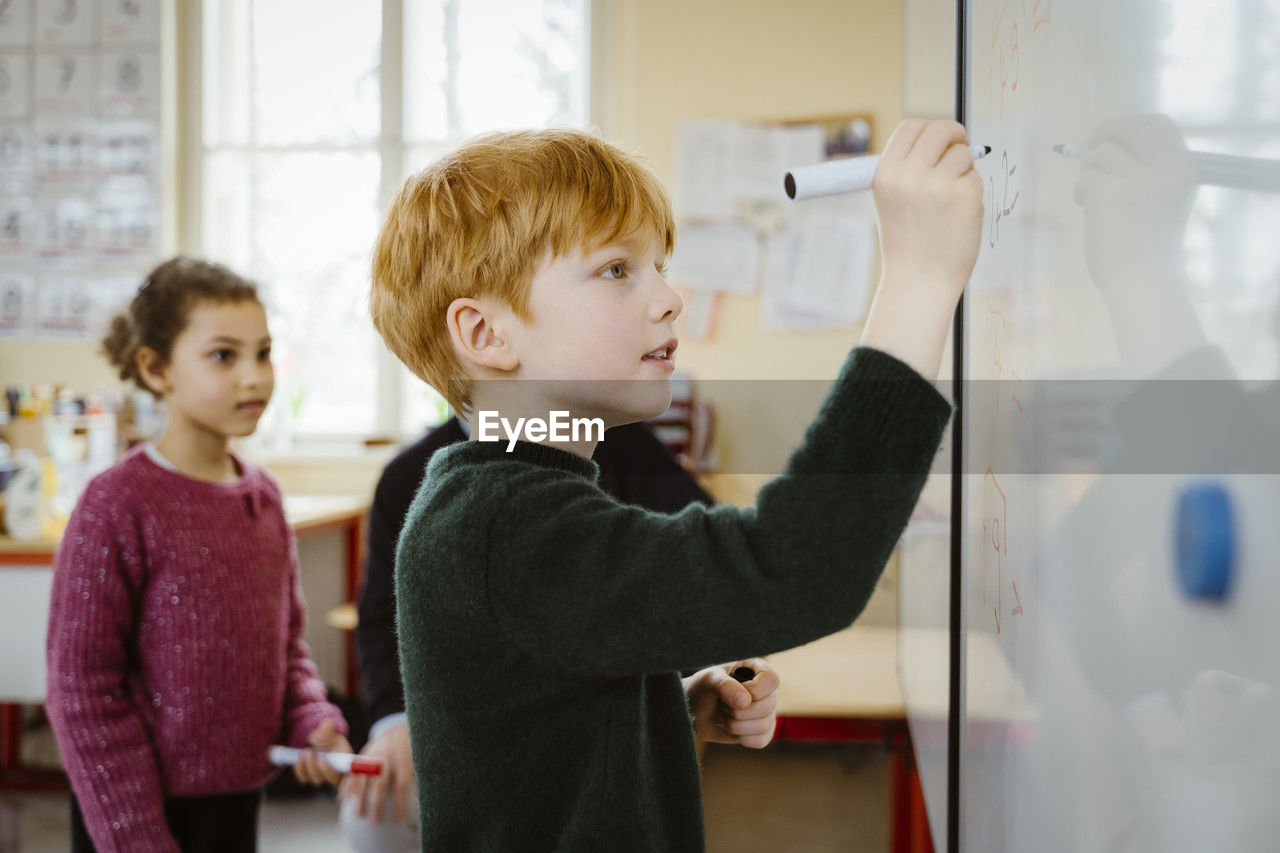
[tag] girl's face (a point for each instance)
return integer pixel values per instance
(219, 377)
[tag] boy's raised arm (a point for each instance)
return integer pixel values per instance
(599, 588)
(929, 207)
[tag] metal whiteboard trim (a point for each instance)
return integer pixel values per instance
(956, 668)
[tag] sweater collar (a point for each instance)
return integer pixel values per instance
(542, 455)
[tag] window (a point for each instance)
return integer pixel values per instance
(311, 118)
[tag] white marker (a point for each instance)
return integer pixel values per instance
(343, 762)
(1219, 170)
(843, 176)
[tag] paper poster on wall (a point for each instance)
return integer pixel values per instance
(80, 156)
(65, 83)
(17, 226)
(15, 87)
(64, 305)
(129, 147)
(130, 21)
(828, 267)
(716, 257)
(64, 22)
(65, 153)
(17, 303)
(128, 223)
(760, 155)
(62, 227)
(15, 24)
(701, 182)
(130, 83)
(777, 311)
(722, 169)
(17, 159)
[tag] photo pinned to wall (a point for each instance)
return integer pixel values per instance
(737, 229)
(80, 160)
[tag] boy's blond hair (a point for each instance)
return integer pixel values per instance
(479, 221)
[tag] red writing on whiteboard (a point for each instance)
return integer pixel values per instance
(994, 517)
(1005, 70)
(996, 323)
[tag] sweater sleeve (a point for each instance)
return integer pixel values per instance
(376, 631)
(601, 588)
(105, 747)
(305, 699)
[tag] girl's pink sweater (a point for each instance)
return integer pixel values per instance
(175, 652)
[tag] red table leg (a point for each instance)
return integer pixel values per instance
(908, 820)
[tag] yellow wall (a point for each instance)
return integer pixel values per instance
(668, 60)
(658, 62)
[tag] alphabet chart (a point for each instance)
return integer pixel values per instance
(80, 160)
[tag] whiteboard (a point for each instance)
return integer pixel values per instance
(1119, 353)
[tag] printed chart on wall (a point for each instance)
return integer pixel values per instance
(1120, 501)
(80, 160)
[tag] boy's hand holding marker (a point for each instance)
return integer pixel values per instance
(929, 206)
(734, 703)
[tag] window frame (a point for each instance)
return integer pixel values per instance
(392, 150)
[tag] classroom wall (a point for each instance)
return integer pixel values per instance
(752, 60)
(661, 61)
(656, 62)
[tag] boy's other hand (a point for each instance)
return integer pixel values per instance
(725, 710)
(370, 792)
(929, 205)
(310, 768)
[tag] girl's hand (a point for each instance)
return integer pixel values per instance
(310, 768)
(725, 710)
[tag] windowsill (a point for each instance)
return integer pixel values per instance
(303, 452)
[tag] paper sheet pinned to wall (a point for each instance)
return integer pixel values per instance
(716, 257)
(721, 168)
(818, 268)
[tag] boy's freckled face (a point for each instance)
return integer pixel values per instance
(604, 319)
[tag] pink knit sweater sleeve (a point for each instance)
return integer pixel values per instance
(305, 699)
(105, 746)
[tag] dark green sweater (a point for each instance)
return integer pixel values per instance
(543, 624)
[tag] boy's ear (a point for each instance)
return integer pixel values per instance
(153, 370)
(476, 328)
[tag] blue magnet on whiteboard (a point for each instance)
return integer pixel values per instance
(1206, 542)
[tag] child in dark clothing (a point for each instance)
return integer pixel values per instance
(542, 623)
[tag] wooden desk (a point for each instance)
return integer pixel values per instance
(845, 688)
(330, 538)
